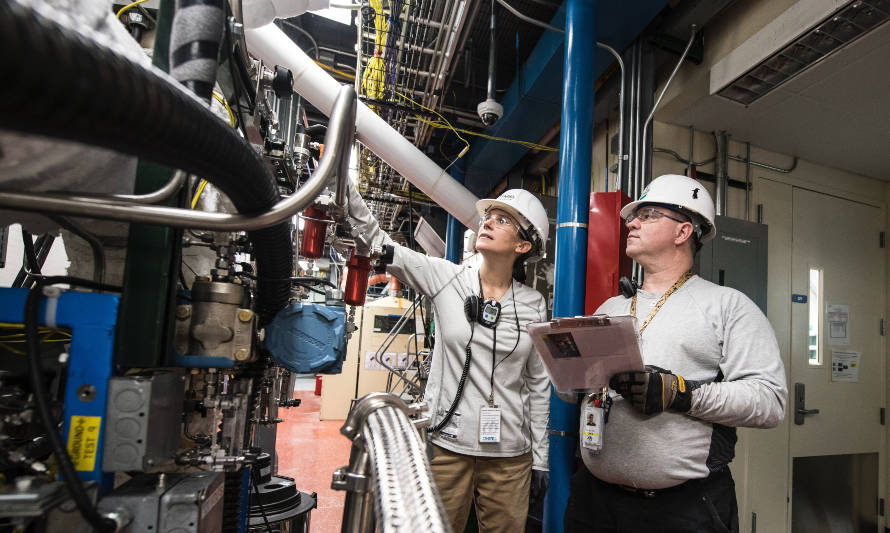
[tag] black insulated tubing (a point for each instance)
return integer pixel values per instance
(195, 39)
(98, 97)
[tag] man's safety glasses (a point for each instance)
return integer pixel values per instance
(649, 214)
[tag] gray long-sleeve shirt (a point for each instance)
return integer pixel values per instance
(701, 331)
(521, 386)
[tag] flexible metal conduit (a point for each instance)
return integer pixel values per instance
(644, 176)
(384, 438)
(529, 19)
(536, 22)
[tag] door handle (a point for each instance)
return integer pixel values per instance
(800, 409)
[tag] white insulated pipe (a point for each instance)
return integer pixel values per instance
(271, 45)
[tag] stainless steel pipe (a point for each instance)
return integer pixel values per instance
(338, 139)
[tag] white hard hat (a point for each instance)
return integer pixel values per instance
(683, 194)
(526, 209)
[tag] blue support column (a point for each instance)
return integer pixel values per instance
(575, 164)
(454, 232)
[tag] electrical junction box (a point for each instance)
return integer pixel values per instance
(143, 420)
(308, 338)
(170, 503)
(736, 257)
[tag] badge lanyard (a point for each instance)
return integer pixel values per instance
(633, 304)
(490, 415)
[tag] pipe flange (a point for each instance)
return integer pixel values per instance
(367, 405)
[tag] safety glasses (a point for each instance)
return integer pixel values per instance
(499, 220)
(649, 214)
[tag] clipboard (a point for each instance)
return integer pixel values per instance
(581, 353)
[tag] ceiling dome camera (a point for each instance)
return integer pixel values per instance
(490, 111)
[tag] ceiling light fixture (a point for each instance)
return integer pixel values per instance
(830, 35)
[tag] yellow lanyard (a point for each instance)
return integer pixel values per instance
(633, 304)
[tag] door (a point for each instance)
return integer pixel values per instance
(837, 364)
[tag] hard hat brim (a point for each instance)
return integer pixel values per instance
(631, 207)
(484, 205)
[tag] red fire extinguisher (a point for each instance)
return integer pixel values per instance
(357, 279)
(314, 229)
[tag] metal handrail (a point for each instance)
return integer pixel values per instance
(338, 139)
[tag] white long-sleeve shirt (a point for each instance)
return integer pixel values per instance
(703, 330)
(521, 387)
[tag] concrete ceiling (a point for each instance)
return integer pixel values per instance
(836, 113)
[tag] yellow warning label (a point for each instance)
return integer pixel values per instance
(83, 441)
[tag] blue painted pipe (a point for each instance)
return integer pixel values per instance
(454, 231)
(575, 164)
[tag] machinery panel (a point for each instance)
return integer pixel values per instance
(736, 257)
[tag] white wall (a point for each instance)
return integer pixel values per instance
(56, 262)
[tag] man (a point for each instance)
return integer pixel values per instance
(712, 364)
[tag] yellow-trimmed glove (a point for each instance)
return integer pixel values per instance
(654, 390)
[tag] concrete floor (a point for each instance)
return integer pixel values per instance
(309, 450)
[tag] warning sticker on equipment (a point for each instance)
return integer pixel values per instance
(83, 441)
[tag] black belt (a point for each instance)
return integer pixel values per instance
(652, 493)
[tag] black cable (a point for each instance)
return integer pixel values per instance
(460, 384)
(30, 254)
(253, 475)
(311, 288)
(43, 245)
(95, 244)
(298, 280)
(230, 50)
(32, 343)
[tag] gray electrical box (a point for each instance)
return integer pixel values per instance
(736, 257)
(144, 416)
(170, 503)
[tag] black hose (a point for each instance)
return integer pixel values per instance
(96, 96)
(32, 343)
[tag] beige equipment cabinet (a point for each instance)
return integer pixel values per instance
(361, 374)
(338, 390)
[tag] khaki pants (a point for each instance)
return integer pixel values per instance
(498, 485)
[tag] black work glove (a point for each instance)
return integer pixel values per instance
(654, 390)
(540, 483)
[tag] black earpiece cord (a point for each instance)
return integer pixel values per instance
(460, 384)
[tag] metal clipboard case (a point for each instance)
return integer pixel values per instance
(581, 353)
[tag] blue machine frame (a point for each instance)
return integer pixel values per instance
(92, 318)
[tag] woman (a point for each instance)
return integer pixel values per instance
(488, 393)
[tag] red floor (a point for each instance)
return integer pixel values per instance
(309, 450)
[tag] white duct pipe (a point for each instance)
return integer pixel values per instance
(271, 45)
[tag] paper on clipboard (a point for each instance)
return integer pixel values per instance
(582, 353)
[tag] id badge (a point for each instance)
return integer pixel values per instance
(592, 429)
(490, 424)
(451, 431)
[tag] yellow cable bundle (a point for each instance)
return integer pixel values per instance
(375, 70)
